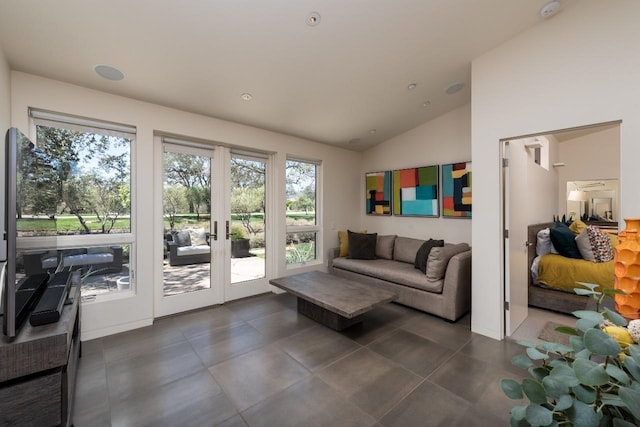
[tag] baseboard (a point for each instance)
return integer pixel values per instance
(103, 332)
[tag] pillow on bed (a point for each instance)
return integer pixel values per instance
(594, 245)
(577, 226)
(543, 243)
(564, 241)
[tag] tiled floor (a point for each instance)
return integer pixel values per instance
(257, 362)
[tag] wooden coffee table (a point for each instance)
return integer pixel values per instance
(331, 300)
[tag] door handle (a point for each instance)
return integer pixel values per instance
(215, 230)
(227, 227)
(529, 244)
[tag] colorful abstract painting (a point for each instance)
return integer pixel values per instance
(415, 191)
(378, 189)
(456, 190)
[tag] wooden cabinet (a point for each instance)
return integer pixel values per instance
(38, 370)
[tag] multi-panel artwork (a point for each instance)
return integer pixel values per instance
(378, 189)
(415, 191)
(456, 190)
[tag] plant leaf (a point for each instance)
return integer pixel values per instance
(583, 354)
(634, 352)
(589, 314)
(599, 342)
(555, 347)
(565, 374)
(534, 391)
(535, 354)
(512, 389)
(566, 330)
(617, 374)
(522, 361)
(582, 415)
(564, 402)
(590, 373)
(611, 399)
(618, 422)
(632, 368)
(576, 343)
(586, 324)
(538, 373)
(631, 398)
(518, 412)
(584, 394)
(554, 387)
(614, 317)
(539, 415)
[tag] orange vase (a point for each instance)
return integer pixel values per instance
(627, 270)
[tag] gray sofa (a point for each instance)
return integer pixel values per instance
(444, 290)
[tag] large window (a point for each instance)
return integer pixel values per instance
(301, 211)
(74, 202)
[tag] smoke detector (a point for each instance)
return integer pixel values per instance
(550, 9)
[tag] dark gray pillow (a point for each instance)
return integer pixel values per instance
(182, 238)
(362, 245)
(423, 253)
(564, 240)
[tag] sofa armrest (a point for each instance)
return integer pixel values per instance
(457, 284)
(331, 255)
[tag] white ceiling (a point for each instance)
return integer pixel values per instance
(331, 83)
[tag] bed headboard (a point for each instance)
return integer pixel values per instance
(532, 239)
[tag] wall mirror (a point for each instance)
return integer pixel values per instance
(593, 200)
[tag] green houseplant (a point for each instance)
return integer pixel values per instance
(593, 382)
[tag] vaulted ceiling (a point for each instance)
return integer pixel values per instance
(343, 79)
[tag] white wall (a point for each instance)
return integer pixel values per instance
(5, 123)
(591, 157)
(446, 139)
(341, 172)
(577, 68)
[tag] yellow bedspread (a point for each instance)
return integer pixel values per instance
(558, 272)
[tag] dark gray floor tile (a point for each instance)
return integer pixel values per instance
(475, 381)
(139, 341)
(259, 306)
(201, 321)
(317, 346)
(235, 421)
(428, 405)
(370, 381)
(415, 353)
(376, 323)
(281, 324)
(91, 400)
(220, 344)
(309, 403)
(450, 335)
(91, 347)
(496, 353)
(128, 378)
(252, 377)
(195, 400)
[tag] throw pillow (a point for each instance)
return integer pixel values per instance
(344, 242)
(182, 238)
(362, 245)
(577, 226)
(384, 246)
(600, 244)
(584, 246)
(543, 244)
(564, 241)
(439, 259)
(423, 253)
(198, 236)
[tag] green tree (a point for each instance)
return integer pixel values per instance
(193, 173)
(174, 202)
(246, 201)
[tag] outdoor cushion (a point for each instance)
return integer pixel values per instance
(193, 250)
(86, 259)
(197, 236)
(182, 238)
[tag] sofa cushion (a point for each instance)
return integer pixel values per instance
(405, 249)
(197, 236)
(362, 245)
(182, 238)
(401, 273)
(384, 246)
(439, 259)
(423, 253)
(343, 237)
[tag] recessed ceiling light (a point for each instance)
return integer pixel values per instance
(108, 72)
(454, 88)
(246, 97)
(412, 86)
(313, 19)
(550, 9)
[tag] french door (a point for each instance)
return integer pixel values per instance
(214, 226)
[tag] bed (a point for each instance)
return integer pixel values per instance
(557, 277)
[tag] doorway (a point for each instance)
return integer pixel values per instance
(214, 225)
(534, 178)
